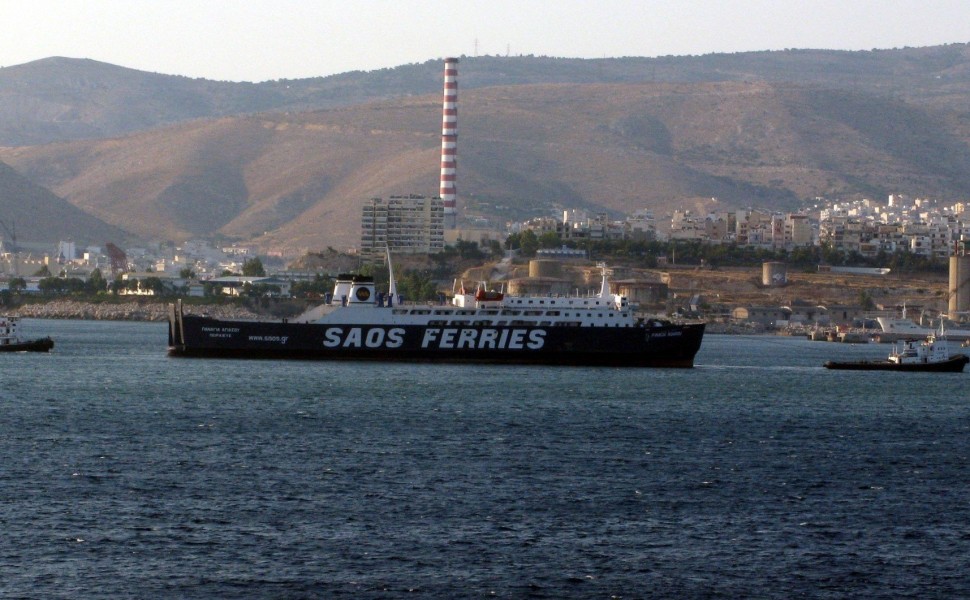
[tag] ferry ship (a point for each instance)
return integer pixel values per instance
(480, 326)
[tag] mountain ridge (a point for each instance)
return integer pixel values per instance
(94, 99)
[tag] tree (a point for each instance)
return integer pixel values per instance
(528, 243)
(43, 272)
(154, 284)
(417, 286)
(187, 273)
(117, 285)
(17, 285)
(316, 288)
(468, 250)
(211, 290)
(550, 239)
(96, 282)
(50, 286)
(56, 286)
(513, 241)
(253, 267)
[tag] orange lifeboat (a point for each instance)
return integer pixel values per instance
(483, 295)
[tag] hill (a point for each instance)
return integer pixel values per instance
(297, 180)
(61, 99)
(34, 214)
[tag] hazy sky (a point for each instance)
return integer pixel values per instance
(256, 40)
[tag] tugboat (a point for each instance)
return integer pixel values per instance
(10, 340)
(929, 355)
(484, 326)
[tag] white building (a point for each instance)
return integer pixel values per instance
(405, 224)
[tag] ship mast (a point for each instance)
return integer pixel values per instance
(605, 291)
(391, 285)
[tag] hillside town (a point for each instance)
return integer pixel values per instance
(414, 226)
(919, 226)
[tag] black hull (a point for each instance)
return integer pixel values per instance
(954, 365)
(41, 345)
(667, 346)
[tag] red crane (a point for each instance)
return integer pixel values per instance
(119, 260)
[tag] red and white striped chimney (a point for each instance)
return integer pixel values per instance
(449, 141)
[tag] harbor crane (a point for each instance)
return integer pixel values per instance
(11, 231)
(119, 260)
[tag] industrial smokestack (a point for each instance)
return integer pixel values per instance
(449, 141)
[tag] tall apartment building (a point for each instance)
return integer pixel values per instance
(406, 224)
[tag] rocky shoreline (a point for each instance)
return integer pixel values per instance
(123, 311)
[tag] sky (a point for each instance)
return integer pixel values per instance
(259, 40)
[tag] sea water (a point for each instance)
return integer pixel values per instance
(128, 474)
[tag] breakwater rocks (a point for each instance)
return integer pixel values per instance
(124, 311)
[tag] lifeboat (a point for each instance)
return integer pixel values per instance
(483, 295)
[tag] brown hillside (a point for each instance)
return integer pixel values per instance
(298, 180)
(35, 215)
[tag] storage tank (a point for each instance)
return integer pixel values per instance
(539, 286)
(774, 274)
(959, 292)
(545, 268)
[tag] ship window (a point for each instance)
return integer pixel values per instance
(400, 311)
(522, 322)
(532, 313)
(420, 311)
(510, 312)
(442, 312)
(553, 313)
(459, 322)
(437, 322)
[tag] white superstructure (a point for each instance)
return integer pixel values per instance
(912, 352)
(906, 327)
(355, 301)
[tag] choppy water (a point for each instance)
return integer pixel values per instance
(124, 473)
